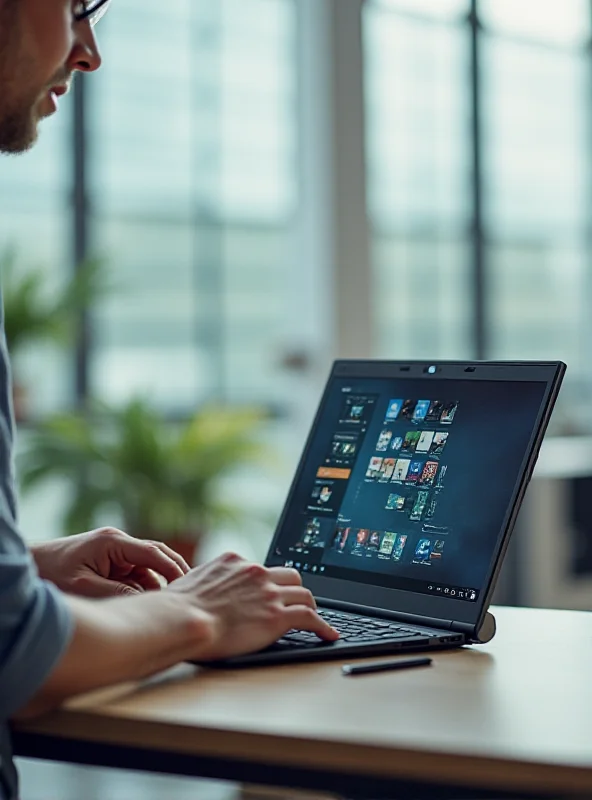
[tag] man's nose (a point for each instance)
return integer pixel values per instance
(85, 56)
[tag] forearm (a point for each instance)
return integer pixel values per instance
(37, 551)
(120, 640)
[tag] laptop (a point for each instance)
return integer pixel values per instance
(404, 500)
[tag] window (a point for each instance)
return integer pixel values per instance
(418, 178)
(537, 169)
(35, 207)
(194, 187)
(531, 69)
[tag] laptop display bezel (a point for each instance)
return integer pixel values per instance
(446, 610)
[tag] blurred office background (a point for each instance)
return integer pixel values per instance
(274, 183)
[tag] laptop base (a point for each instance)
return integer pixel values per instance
(285, 652)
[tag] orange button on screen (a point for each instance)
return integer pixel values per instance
(333, 472)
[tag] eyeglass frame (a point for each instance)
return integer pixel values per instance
(93, 14)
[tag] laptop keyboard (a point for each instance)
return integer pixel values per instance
(353, 629)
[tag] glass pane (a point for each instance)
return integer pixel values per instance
(540, 306)
(418, 176)
(422, 297)
(194, 183)
(443, 9)
(564, 22)
(35, 212)
(535, 133)
(537, 159)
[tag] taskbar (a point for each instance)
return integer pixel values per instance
(464, 593)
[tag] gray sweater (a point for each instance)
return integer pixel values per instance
(35, 624)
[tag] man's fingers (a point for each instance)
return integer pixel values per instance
(144, 578)
(297, 596)
(284, 576)
(151, 556)
(174, 555)
(92, 585)
(136, 587)
(303, 618)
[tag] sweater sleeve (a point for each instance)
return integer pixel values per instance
(35, 626)
(35, 623)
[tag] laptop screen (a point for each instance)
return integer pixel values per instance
(406, 482)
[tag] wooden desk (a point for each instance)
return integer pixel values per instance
(513, 717)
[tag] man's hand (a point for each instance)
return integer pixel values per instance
(225, 608)
(107, 562)
(251, 606)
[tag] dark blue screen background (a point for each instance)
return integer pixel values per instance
(484, 455)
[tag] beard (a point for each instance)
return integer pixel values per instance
(19, 103)
(18, 127)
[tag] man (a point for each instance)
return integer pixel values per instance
(52, 643)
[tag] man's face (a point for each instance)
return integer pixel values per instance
(41, 46)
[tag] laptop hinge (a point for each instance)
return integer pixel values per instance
(399, 616)
(477, 634)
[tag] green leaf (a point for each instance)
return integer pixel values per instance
(32, 313)
(163, 477)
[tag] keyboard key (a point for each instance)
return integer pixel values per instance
(352, 629)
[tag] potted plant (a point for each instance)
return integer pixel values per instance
(163, 478)
(32, 313)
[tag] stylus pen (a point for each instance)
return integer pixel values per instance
(384, 666)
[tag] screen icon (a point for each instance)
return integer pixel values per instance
(394, 409)
(438, 443)
(384, 440)
(421, 410)
(410, 442)
(399, 546)
(401, 469)
(422, 551)
(374, 467)
(425, 442)
(448, 413)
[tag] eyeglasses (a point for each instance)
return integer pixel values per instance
(91, 10)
